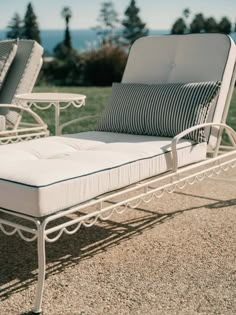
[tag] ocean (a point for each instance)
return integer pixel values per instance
(82, 39)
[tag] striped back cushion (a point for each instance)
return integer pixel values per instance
(159, 110)
(7, 53)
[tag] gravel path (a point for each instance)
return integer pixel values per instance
(177, 256)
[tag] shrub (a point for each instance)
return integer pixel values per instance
(103, 66)
(59, 72)
(98, 67)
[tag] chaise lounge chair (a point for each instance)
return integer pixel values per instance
(161, 130)
(20, 63)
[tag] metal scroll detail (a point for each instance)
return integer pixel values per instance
(19, 138)
(28, 234)
(44, 106)
(151, 193)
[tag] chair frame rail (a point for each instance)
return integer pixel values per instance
(22, 131)
(144, 191)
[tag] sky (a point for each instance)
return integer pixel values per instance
(157, 14)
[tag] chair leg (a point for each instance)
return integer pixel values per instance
(42, 270)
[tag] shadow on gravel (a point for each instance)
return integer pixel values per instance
(18, 259)
(31, 313)
(215, 205)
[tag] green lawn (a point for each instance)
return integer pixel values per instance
(96, 101)
(231, 120)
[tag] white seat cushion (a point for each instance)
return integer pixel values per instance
(42, 176)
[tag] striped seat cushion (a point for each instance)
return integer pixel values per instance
(8, 50)
(159, 110)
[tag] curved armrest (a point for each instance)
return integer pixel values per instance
(181, 135)
(26, 132)
(25, 109)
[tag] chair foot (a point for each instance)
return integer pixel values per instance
(37, 309)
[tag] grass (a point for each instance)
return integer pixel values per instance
(95, 103)
(231, 119)
(96, 99)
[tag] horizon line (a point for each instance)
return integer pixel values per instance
(83, 28)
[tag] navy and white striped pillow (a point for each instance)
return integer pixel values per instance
(7, 53)
(159, 109)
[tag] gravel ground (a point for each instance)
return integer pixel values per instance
(174, 256)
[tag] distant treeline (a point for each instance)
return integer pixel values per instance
(200, 24)
(105, 63)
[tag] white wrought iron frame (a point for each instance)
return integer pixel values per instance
(145, 191)
(22, 131)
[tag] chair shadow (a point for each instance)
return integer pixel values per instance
(218, 203)
(20, 258)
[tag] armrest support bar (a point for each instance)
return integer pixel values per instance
(181, 135)
(22, 132)
(25, 109)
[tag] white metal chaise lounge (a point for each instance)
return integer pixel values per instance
(160, 131)
(20, 63)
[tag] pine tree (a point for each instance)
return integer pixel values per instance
(30, 27)
(198, 24)
(225, 25)
(211, 25)
(134, 28)
(15, 27)
(179, 27)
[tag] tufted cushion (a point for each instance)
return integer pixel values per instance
(46, 175)
(159, 110)
(8, 50)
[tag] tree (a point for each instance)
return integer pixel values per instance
(64, 50)
(30, 27)
(211, 25)
(179, 27)
(134, 28)
(67, 14)
(108, 19)
(186, 13)
(198, 24)
(225, 26)
(15, 27)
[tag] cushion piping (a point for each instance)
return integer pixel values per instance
(99, 171)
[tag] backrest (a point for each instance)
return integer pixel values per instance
(183, 59)
(22, 74)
